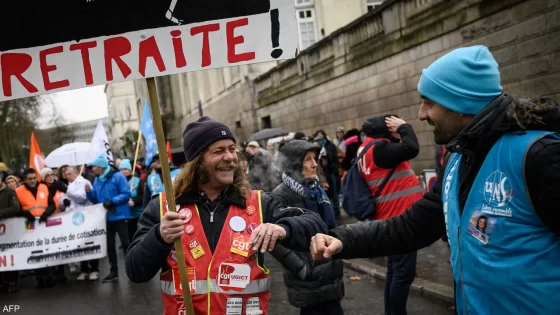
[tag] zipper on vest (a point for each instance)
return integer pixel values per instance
(465, 304)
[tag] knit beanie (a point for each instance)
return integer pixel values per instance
(100, 161)
(125, 164)
(44, 172)
(200, 134)
(465, 80)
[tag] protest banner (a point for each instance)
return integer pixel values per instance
(67, 237)
(69, 44)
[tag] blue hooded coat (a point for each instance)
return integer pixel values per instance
(112, 186)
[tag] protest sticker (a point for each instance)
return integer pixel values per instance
(64, 238)
(50, 46)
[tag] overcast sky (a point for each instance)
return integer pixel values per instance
(79, 105)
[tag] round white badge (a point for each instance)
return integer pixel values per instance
(237, 224)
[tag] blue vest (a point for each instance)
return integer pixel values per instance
(155, 184)
(505, 260)
(135, 211)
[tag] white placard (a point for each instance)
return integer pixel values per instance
(66, 237)
(89, 43)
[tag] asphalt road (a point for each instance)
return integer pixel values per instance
(364, 295)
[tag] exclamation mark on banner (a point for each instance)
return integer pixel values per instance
(275, 34)
(12, 259)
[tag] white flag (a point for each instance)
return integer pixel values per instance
(100, 144)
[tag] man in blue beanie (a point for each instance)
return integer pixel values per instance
(499, 202)
(111, 189)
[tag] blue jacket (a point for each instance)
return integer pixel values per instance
(136, 211)
(116, 189)
(505, 260)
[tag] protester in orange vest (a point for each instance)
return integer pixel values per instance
(35, 201)
(388, 173)
(225, 229)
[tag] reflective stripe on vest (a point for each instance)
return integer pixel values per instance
(35, 207)
(399, 194)
(396, 175)
(254, 287)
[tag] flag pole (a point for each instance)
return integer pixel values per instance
(166, 173)
(136, 157)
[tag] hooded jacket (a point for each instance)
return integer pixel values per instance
(9, 203)
(115, 188)
(424, 222)
(309, 283)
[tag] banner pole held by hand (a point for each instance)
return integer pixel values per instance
(166, 173)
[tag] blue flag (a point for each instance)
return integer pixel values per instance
(147, 128)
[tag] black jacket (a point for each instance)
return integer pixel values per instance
(332, 156)
(390, 154)
(424, 223)
(147, 253)
(309, 283)
(9, 203)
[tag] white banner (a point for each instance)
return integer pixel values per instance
(65, 238)
(100, 144)
(73, 44)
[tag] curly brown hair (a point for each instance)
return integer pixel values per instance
(193, 173)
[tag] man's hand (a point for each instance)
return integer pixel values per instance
(130, 202)
(43, 217)
(171, 226)
(393, 123)
(265, 236)
(324, 246)
(88, 188)
(109, 205)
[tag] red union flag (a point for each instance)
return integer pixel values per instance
(69, 44)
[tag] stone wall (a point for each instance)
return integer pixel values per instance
(372, 66)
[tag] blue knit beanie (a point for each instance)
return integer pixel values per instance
(100, 161)
(465, 80)
(125, 164)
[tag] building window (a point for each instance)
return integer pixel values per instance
(372, 4)
(306, 27)
(265, 122)
(304, 3)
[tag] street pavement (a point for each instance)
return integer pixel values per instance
(364, 295)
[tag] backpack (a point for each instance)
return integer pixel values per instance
(357, 200)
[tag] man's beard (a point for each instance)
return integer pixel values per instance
(204, 176)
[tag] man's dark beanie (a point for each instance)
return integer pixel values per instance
(200, 134)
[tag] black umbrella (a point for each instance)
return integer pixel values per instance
(269, 133)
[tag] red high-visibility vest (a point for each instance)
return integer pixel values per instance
(402, 190)
(29, 203)
(228, 280)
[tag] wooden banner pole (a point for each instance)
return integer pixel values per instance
(136, 157)
(164, 160)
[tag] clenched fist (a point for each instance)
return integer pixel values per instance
(171, 226)
(324, 246)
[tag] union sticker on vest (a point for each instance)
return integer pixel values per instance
(196, 249)
(177, 280)
(235, 276)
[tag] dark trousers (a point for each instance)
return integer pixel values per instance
(44, 276)
(114, 227)
(132, 227)
(89, 266)
(9, 277)
(401, 270)
(327, 308)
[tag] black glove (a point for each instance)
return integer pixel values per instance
(44, 217)
(109, 206)
(27, 215)
(66, 202)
